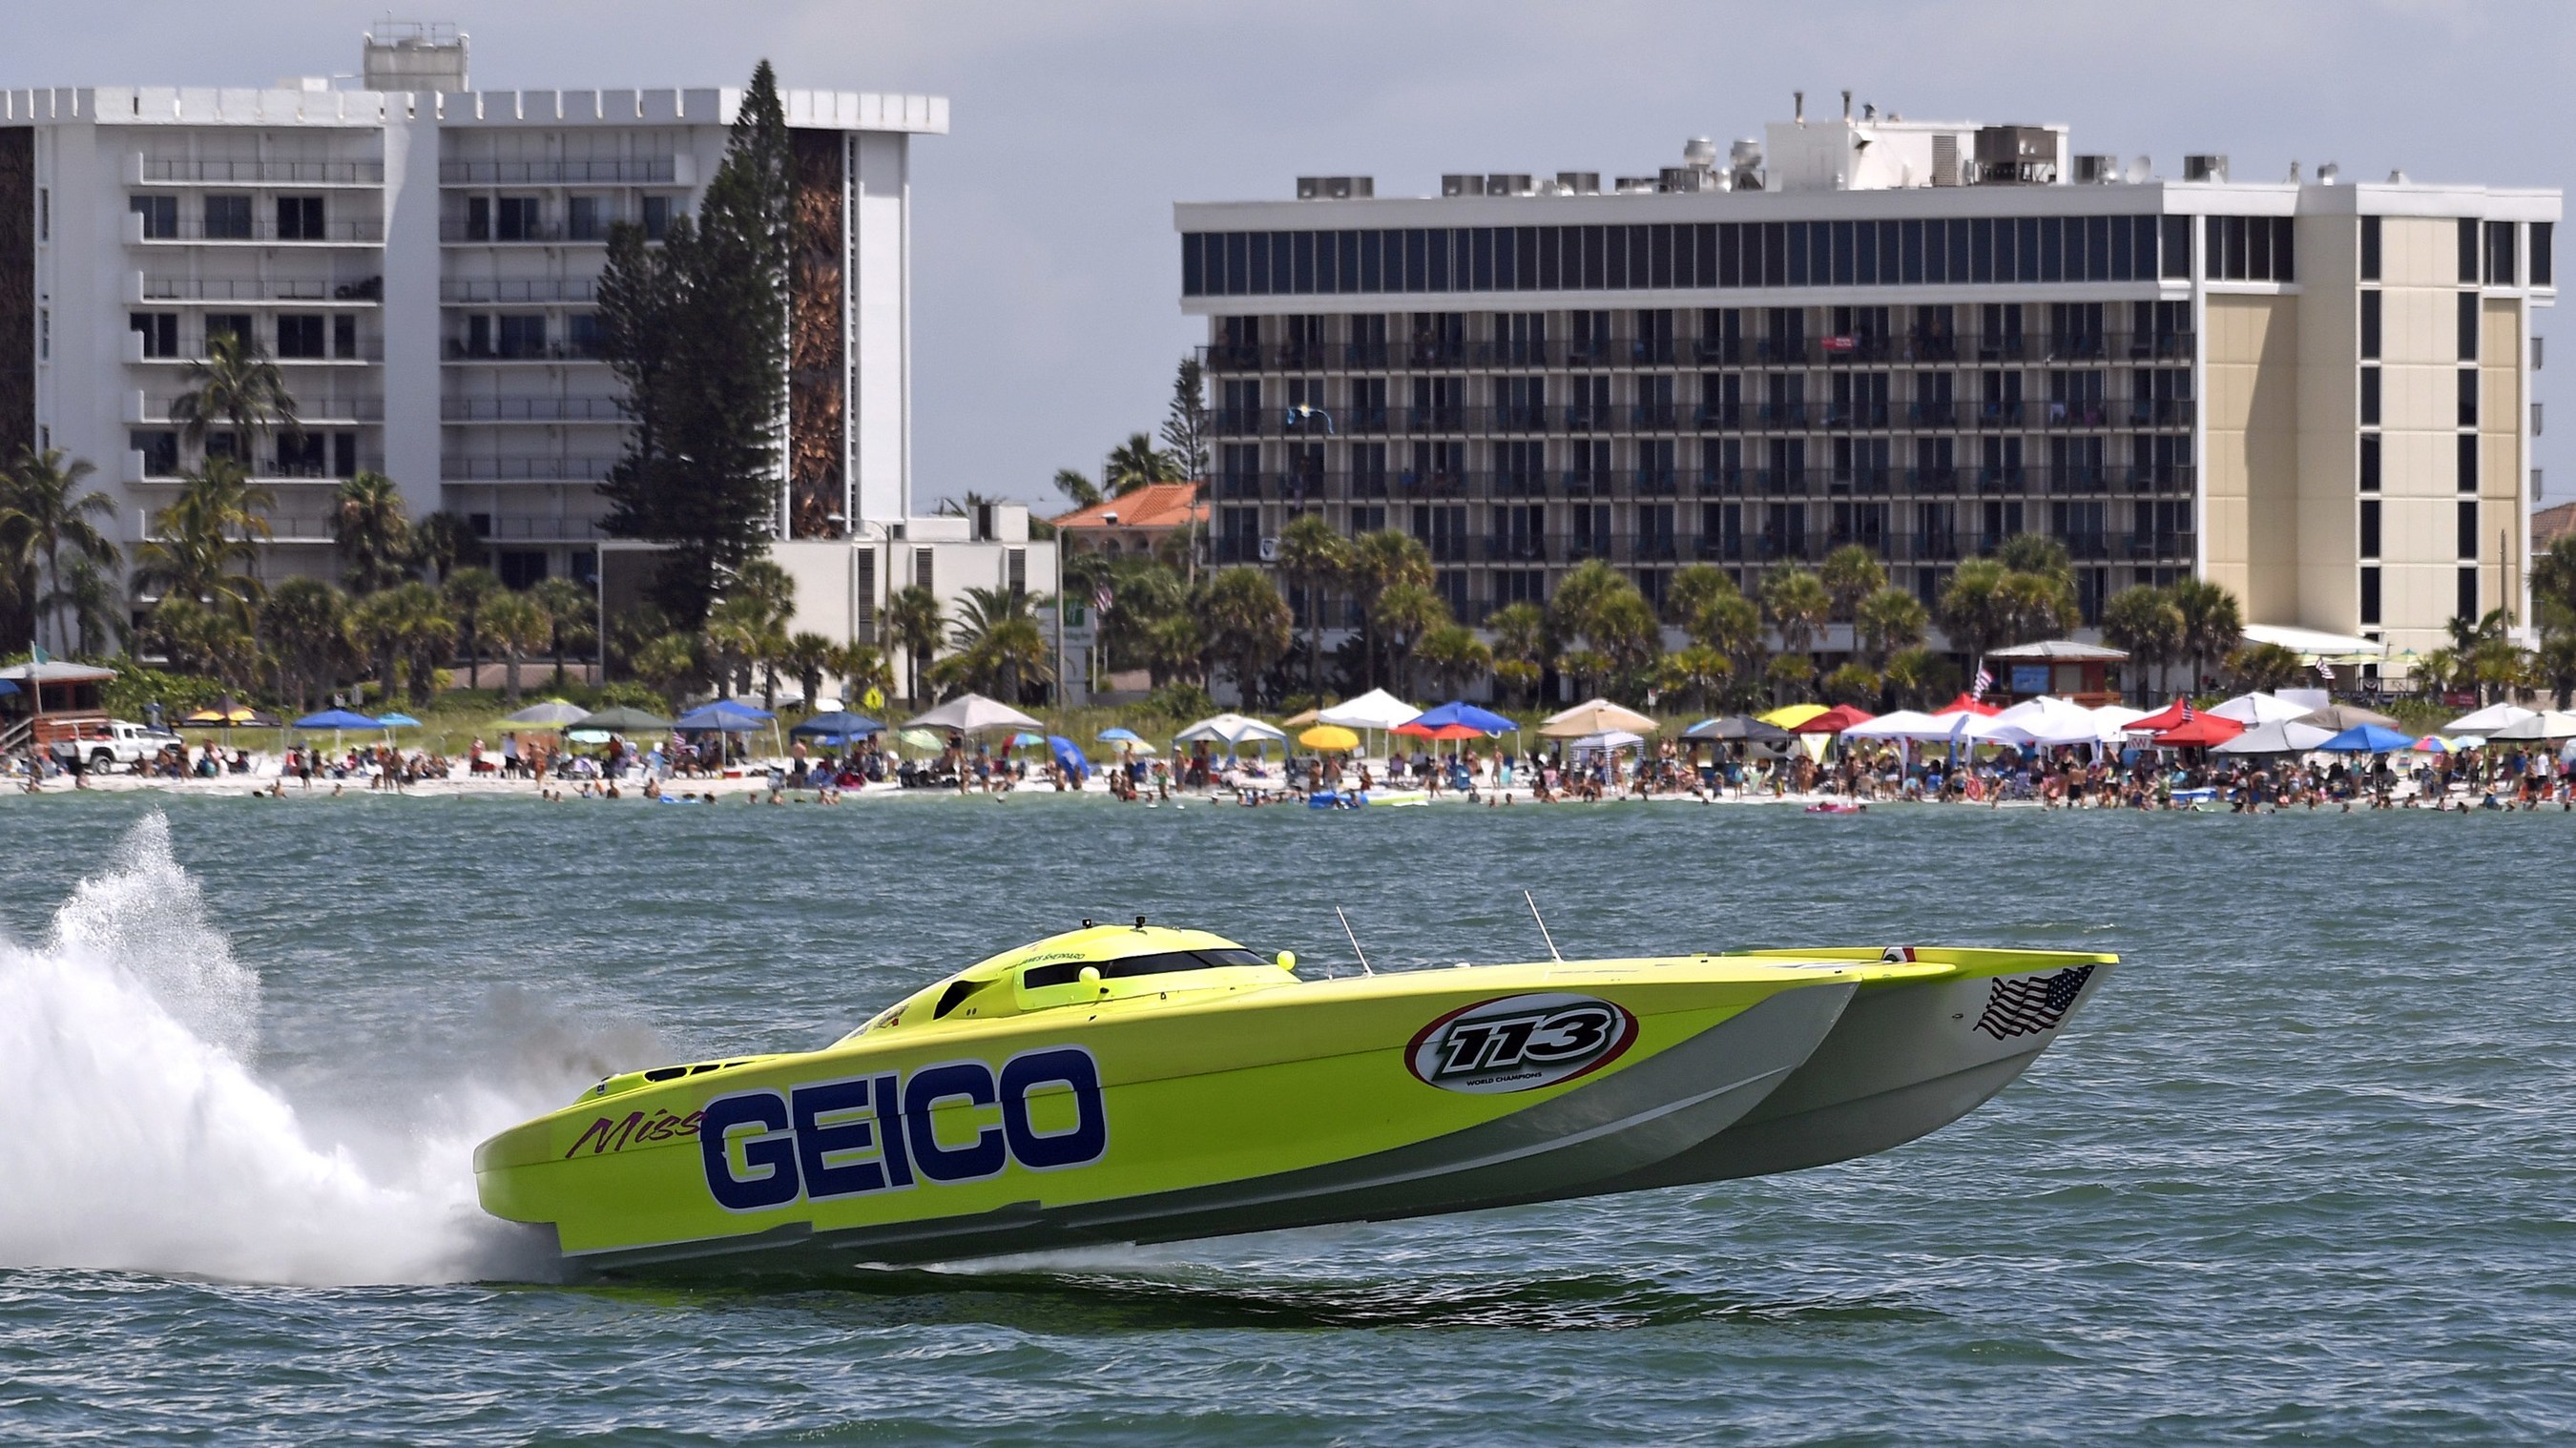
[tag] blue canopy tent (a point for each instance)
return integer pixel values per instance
(839, 728)
(1461, 712)
(729, 716)
(2368, 739)
(335, 719)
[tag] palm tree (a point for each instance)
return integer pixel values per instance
(1621, 627)
(2036, 606)
(2212, 623)
(667, 665)
(1916, 676)
(1889, 620)
(1175, 648)
(2265, 667)
(440, 541)
(309, 620)
(1082, 490)
(44, 510)
(807, 656)
(373, 531)
(424, 635)
(1314, 558)
(860, 669)
(1850, 574)
(1382, 561)
(2036, 553)
(516, 625)
(96, 604)
(1521, 652)
(573, 612)
(1247, 625)
(238, 385)
(914, 620)
(1798, 605)
(1731, 624)
(207, 530)
(463, 593)
(1694, 587)
(1972, 608)
(1000, 646)
(2144, 621)
(1455, 656)
(1578, 598)
(1137, 463)
(202, 638)
(1400, 617)
(1698, 670)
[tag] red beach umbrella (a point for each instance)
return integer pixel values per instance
(1834, 720)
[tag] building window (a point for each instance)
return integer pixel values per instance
(2501, 271)
(523, 336)
(2468, 326)
(344, 454)
(344, 336)
(582, 333)
(656, 216)
(2370, 527)
(583, 219)
(228, 218)
(2250, 249)
(1015, 570)
(2370, 397)
(299, 336)
(2468, 250)
(299, 218)
(2541, 234)
(160, 451)
(2466, 606)
(2177, 248)
(2369, 597)
(159, 330)
(2468, 539)
(2468, 397)
(2370, 463)
(2467, 447)
(44, 213)
(2370, 248)
(236, 325)
(922, 575)
(160, 216)
(518, 218)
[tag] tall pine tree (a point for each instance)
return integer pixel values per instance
(696, 329)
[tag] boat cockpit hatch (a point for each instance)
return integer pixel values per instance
(1066, 972)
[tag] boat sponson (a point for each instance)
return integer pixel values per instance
(1905, 1060)
(1628, 1119)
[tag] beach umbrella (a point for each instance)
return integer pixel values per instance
(717, 717)
(226, 714)
(2284, 736)
(1069, 758)
(1790, 716)
(839, 726)
(1484, 721)
(1119, 734)
(1964, 704)
(2548, 724)
(2051, 720)
(1300, 719)
(1906, 724)
(2177, 712)
(922, 739)
(2366, 739)
(2433, 744)
(622, 719)
(2489, 719)
(1329, 737)
(1027, 740)
(1595, 716)
(2345, 716)
(973, 714)
(1833, 721)
(2258, 708)
(1736, 726)
(2200, 731)
(552, 714)
(336, 720)
(396, 720)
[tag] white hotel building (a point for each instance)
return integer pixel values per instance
(422, 261)
(1921, 337)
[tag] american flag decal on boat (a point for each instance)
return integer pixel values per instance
(2029, 1004)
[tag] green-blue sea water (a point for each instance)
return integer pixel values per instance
(2303, 1173)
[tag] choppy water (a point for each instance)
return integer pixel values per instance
(2303, 1173)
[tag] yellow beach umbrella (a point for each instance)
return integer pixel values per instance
(1792, 715)
(1329, 736)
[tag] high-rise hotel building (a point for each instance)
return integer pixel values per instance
(422, 261)
(1918, 337)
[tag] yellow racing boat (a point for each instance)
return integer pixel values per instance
(1142, 1083)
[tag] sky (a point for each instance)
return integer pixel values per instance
(1046, 275)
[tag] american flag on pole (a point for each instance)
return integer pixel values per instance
(1984, 681)
(1100, 597)
(2028, 1004)
(2186, 711)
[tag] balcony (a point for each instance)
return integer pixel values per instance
(1516, 548)
(458, 349)
(364, 290)
(535, 232)
(155, 171)
(2166, 547)
(537, 290)
(530, 409)
(263, 230)
(1654, 417)
(525, 469)
(313, 411)
(506, 529)
(632, 170)
(1237, 548)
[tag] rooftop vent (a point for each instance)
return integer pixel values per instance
(1687, 178)
(1744, 165)
(1335, 188)
(414, 55)
(1512, 183)
(1639, 185)
(1579, 183)
(2204, 168)
(1455, 184)
(2016, 156)
(1699, 151)
(2097, 170)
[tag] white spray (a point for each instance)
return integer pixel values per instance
(140, 1138)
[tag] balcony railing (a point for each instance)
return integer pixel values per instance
(546, 289)
(263, 229)
(525, 469)
(534, 231)
(458, 349)
(1844, 350)
(643, 170)
(530, 409)
(506, 529)
(311, 411)
(262, 289)
(157, 171)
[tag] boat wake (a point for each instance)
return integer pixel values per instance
(146, 1141)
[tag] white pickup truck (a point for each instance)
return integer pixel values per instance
(116, 742)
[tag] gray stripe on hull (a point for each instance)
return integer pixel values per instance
(1680, 1096)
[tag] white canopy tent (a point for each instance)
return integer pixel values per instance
(2119, 716)
(1376, 709)
(2315, 646)
(2282, 736)
(2051, 720)
(2489, 719)
(974, 714)
(1231, 729)
(2255, 709)
(1910, 724)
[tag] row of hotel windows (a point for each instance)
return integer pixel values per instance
(585, 218)
(1584, 402)
(2468, 397)
(2471, 312)
(2466, 540)
(2465, 604)
(2488, 251)
(308, 454)
(1366, 466)
(1442, 525)
(228, 217)
(2464, 450)
(1705, 254)
(223, 217)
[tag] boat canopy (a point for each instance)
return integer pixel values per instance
(1085, 967)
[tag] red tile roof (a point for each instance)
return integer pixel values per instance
(1155, 505)
(2550, 524)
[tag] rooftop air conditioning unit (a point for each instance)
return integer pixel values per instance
(1580, 183)
(1334, 188)
(1510, 184)
(1636, 185)
(2016, 156)
(2097, 170)
(2204, 168)
(1270, 550)
(1457, 185)
(1686, 178)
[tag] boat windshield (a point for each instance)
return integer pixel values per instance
(1066, 972)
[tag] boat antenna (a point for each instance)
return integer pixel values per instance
(1365, 967)
(1542, 928)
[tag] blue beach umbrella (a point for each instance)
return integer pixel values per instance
(1462, 712)
(2368, 739)
(1116, 735)
(1026, 740)
(397, 720)
(717, 716)
(1069, 758)
(335, 719)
